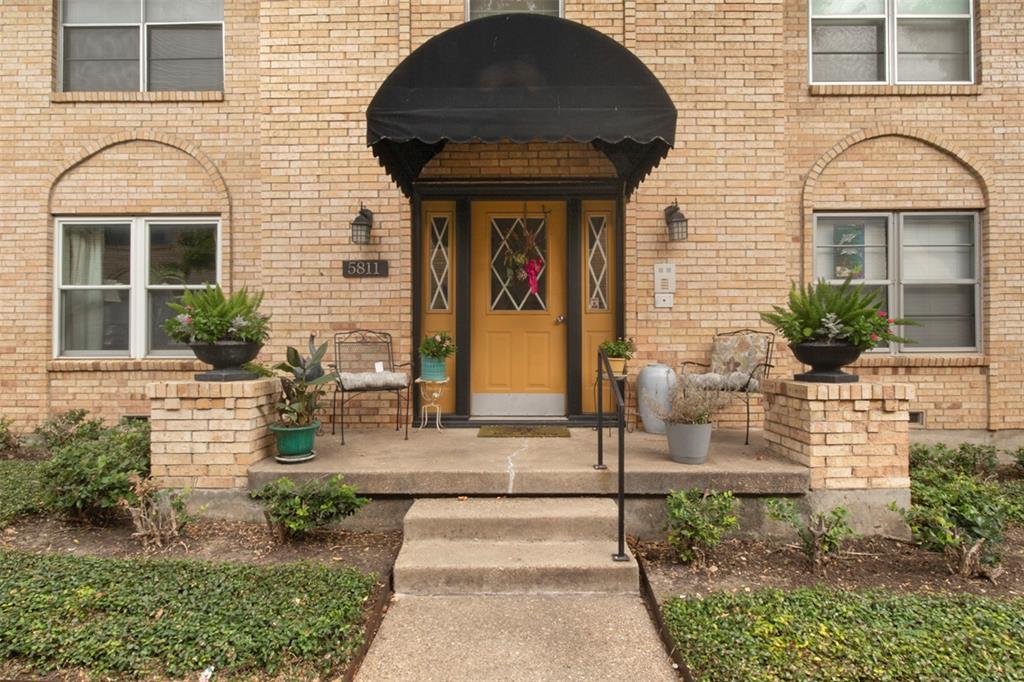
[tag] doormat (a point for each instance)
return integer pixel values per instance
(523, 432)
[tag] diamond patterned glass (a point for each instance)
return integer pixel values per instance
(519, 264)
(439, 263)
(597, 263)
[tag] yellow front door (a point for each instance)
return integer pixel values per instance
(518, 366)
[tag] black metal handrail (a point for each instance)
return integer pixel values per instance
(604, 368)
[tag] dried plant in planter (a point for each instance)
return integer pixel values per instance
(692, 402)
(158, 515)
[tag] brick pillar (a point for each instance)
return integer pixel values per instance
(206, 434)
(854, 438)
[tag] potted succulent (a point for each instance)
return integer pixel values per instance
(303, 387)
(434, 350)
(223, 331)
(691, 407)
(618, 351)
(828, 327)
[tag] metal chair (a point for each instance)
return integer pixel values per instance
(364, 363)
(739, 362)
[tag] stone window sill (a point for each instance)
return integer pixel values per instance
(125, 365)
(850, 90)
(882, 360)
(183, 96)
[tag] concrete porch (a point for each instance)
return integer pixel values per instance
(457, 462)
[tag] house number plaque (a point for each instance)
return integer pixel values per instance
(364, 268)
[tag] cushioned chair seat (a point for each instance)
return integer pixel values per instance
(359, 381)
(734, 381)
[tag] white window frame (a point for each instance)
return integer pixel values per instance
(143, 27)
(561, 10)
(891, 19)
(138, 287)
(896, 281)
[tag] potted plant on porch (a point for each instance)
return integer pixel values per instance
(618, 351)
(828, 327)
(303, 387)
(434, 350)
(223, 331)
(691, 407)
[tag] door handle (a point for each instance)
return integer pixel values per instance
(560, 319)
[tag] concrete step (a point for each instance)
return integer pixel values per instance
(513, 519)
(447, 567)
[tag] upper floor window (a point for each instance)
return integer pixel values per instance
(924, 266)
(476, 9)
(892, 41)
(115, 277)
(109, 45)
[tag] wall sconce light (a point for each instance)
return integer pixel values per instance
(361, 226)
(676, 223)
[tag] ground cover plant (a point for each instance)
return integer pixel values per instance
(295, 510)
(821, 535)
(825, 634)
(21, 489)
(697, 519)
(176, 618)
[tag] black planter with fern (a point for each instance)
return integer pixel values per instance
(828, 326)
(826, 361)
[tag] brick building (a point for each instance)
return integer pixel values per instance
(150, 147)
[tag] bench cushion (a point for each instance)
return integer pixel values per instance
(361, 381)
(734, 381)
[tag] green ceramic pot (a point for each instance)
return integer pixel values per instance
(295, 443)
(431, 369)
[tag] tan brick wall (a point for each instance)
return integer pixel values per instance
(852, 436)
(507, 160)
(287, 139)
(895, 172)
(137, 177)
(206, 434)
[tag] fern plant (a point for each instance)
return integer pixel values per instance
(207, 316)
(835, 314)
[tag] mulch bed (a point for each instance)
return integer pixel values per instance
(207, 540)
(748, 564)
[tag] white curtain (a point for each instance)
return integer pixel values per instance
(83, 320)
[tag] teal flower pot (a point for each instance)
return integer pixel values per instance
(295, 443)
(431, 369)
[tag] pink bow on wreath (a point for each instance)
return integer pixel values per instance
(532, 270)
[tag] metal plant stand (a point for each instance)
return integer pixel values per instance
(431, 394)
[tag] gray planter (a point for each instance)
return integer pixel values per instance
(688, 443)
(652, 390)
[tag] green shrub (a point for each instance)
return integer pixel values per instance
(967, 459)
(832, 635)
(62, 428)
(89, 477)
(125, 619)
(821, 536)
(697, 519)
(8, 438)
(21, 489)
(1018, 457)
(959, 515)
(293, 511)
(1013, 491)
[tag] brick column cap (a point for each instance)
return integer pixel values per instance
(214, 389)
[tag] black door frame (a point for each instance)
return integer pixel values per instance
(463, 193)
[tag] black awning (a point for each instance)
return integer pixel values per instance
(521, 78)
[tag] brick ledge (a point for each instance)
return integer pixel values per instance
(852, 90)
(921, 361)
(125, 365)
(179, 96)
